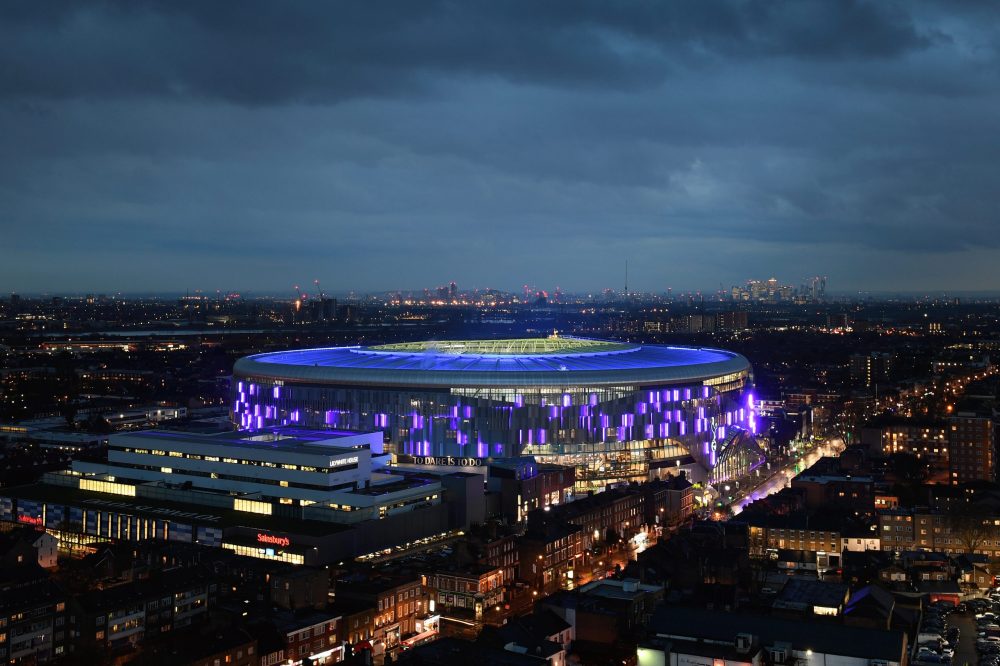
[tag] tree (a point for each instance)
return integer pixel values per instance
(969, 525)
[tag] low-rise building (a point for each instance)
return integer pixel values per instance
(619, 512)
(465, 593)
(689, 636)
(798, 531)
(550, 554)
(33, 616)
(398, 604)
(123, 615)
(525, 485)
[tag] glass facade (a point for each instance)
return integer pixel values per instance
(610, 433)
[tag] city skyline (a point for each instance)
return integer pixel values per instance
(172, 148)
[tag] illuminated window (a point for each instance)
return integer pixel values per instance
(252, 506)
(107, 487)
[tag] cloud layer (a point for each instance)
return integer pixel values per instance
(377, 145)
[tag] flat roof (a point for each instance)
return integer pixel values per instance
(819, 636)
(278, 438)
(196, 513)
(471, 363)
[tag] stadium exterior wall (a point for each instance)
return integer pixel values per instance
(610, 413)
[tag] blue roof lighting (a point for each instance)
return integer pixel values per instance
(551, 362)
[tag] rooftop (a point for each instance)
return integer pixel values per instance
(279, 438)
(619, 589)
(818, 636)
(805, 592)
(196, 513)
(541, 361)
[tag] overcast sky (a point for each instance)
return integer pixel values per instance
(152, 146)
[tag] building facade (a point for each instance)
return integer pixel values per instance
(971, 447)
(606, 408)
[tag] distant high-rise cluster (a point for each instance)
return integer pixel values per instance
(771, 291)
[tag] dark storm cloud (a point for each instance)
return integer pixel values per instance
(379, 145)
(266, 52)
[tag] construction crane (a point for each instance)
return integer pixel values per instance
(319, 289)
(298, 303)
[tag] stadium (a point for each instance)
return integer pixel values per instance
(615, 411)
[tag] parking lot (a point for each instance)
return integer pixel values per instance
(965, 653)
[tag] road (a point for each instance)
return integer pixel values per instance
(781, 477)
(965, 655)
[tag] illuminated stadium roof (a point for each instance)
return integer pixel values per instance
(511, 347)
(472, 363)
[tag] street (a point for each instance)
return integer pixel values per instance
(780, 477)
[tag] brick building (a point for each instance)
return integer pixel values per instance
(398, 604)
(550, 553)
(465, 592)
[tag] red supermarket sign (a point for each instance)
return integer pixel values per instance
(274, 540)
(29, 520)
